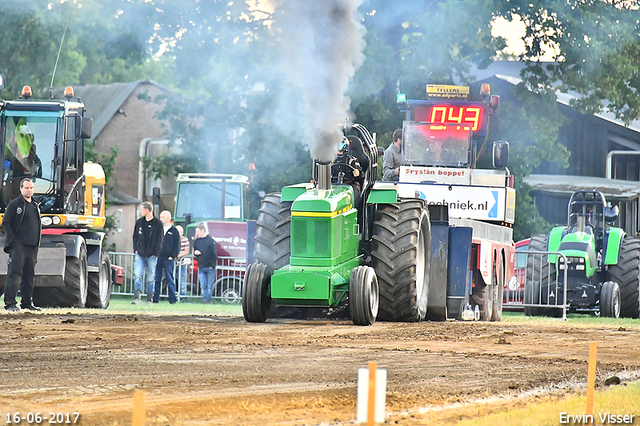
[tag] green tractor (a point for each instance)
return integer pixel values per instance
(602, 263)
(341, 237)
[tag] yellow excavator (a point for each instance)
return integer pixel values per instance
(44, 141)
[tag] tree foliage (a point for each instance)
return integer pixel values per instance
(99, 45)
(596, 45)
(233, 105)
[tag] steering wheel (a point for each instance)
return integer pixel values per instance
(349, 172)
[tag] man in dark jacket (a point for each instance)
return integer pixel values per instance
(22, 227)
(147, 242)
(168, 253)
(206, 253)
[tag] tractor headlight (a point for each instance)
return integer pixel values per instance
(56, 220)
(47, 221)
(580, 267)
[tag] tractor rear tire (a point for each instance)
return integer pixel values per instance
(76, 282)
(610, 300)
(538, 269)
(256, 300)
(273, 232)
(99, 290)
(627, 274)
(401, 256)
(363, 295)
(273, 245)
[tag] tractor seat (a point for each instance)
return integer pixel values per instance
(588, 229)
(357, 151)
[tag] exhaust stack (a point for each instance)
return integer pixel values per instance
(324, 175)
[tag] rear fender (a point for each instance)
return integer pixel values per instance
(611, 245)
(383, 193)
(553, 241)
(72, 243)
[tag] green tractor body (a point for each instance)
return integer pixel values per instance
(391, 250)
(325, 242)
(602, 262)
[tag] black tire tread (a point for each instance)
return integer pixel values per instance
(535, 269)
(94, 293)
(255, 298)
(273, 232)
(71, 295)
(394, 251)
(627, 274)
(360, 297)
(609, 294)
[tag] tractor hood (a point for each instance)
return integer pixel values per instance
(332, 202)
(580, 245)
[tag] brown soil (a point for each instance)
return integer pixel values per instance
(199, 370)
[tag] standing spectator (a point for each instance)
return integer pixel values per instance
(147, 242)
(184, 261)
(392, 159)
(22, 227)
(206, 253)
(166, 259)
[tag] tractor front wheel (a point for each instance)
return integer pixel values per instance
(363, 295)
(256, 299)
(610, 300)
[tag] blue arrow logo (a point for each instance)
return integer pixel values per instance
(493, 213)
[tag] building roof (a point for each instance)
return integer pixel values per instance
(103, 101)
(120, 198)
(613, 189)
(509, 71)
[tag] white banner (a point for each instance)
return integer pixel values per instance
(446, 175)
(465, 202)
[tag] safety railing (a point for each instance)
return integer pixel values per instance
(540, 287)
(227, 287)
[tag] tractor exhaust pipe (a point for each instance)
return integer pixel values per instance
(324, 175)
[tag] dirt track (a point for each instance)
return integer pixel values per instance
(201, 370)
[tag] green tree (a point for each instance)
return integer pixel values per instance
(98, 44)
(596, 45)
(234, 106)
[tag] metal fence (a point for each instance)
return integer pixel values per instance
(227, 287)
(538, 285)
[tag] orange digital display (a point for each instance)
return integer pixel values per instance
(443, 116)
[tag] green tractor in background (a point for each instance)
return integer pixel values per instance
(341, 237)
(603, 263)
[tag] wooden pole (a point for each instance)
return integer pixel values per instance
(139, 410)
(372, 393)
(591, 377)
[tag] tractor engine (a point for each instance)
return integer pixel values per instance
(324, 245)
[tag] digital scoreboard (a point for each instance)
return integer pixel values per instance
(443, 115)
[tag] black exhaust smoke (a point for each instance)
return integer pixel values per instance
(322, 43)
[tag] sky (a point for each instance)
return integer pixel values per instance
(512, 32)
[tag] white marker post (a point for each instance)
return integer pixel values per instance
(372, 394)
